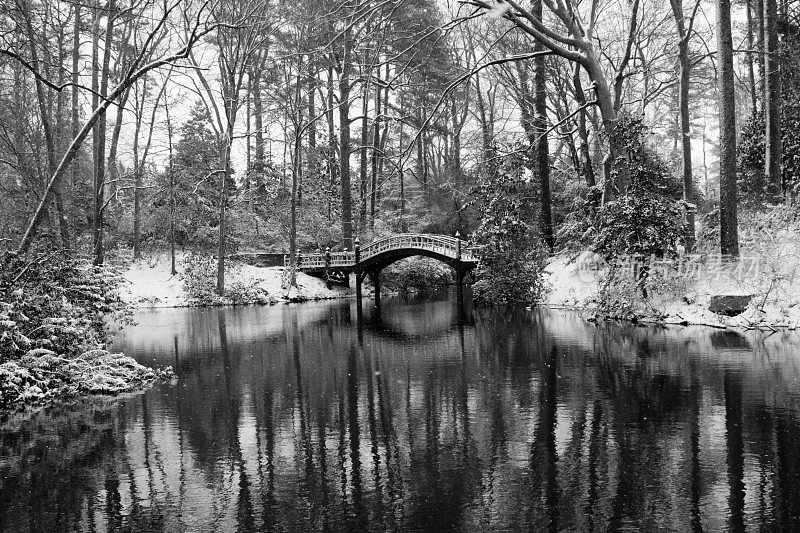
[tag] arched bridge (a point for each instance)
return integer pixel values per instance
(374, 257)
(383, 252)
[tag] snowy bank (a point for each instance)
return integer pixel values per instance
(771, 281)
(151, 284)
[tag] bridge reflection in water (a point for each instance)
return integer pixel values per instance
(291, 418)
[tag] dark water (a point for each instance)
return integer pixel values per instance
(288, 418)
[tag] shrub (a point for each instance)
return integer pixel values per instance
(512, 255)
(51, 301)
(418, 274)
(640, 225)
(199, 276)
(648, 222)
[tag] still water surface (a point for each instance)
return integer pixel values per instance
(291, 418)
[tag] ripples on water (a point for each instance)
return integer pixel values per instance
(290, 418)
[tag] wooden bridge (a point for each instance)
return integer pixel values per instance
(369, 260)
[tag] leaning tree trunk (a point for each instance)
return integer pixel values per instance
(728, 223)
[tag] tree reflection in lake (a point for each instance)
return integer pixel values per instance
(293, 418)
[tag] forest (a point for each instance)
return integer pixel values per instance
(614, 170)
(627, 128)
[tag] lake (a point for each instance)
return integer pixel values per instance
(426, 417)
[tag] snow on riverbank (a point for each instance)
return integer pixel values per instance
(772, 281)
(153, 285)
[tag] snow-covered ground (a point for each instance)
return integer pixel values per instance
(772, 280)
(153, 285)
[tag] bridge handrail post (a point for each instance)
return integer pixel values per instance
(357, 249)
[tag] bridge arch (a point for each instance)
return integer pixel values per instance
(377, 255)
(452, 251)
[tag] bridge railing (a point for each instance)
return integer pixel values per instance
(435, 243)
(338, 259)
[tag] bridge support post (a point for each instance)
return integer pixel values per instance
(359, 279)
(460, 274)
(375, 277)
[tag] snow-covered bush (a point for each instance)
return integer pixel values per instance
(41, 376)
(51, 301)
(512, 255)
(199, 276)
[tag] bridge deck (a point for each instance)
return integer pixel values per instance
(448, 247)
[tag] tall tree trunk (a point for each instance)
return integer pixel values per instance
(344, 147)
(223, 200)
(297, 169)
(137, 184)
(331, 143)
(76, 56)
(455, 162)
(113, 166)
(138, 165)
(541, 148)
(63, 223)
(587, 168)
(248, 148)
(751, 76)
(376, 139)
(362, 167)
(402, 182)
(312, 113)
(729, 238)
(100, 129)
(772, 103)
(758, 10)
(171, 172)
(486, 119)
(683, 106)
(258, 123)
(423, 147)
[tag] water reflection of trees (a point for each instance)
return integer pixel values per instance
(519, 419)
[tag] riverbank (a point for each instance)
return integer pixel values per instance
(150, 283)
(684, 295)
